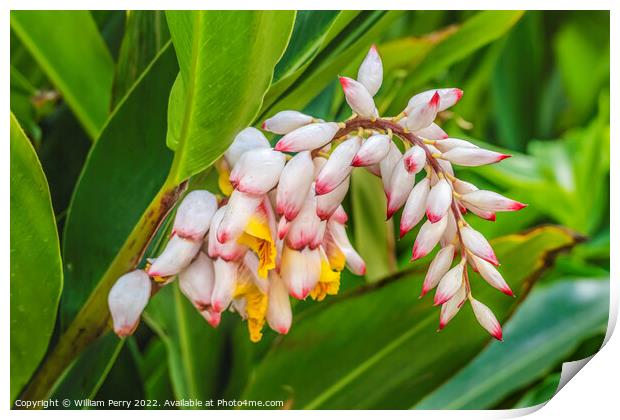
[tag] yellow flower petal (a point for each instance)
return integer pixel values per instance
(257, 236)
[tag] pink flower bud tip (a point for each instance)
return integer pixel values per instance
(357, 162)
(497, 334)
(442, 325)
(223, 236)
(280, 147)
(441, 299)
(416, 253)
(459, 94)
(434, 218)
(344, 82)
(283, 330)
(263, 125)
(390, 213)
(434, 102)
(517, 206)
(322, 188)
(217, 306)
(502, 157)
(403, 232)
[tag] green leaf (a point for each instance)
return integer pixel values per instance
(36, 268)
(125, 169)
(194, 348)
(543, 332)
(226, 62)
(310, 29)
(146, 32)
(516, 93)
(383, 334)
(75, 59)
(478, 31)
(89, 371)
(117, 206)
(309, 39)
(540, 394)
(351, 45)
(374, 237)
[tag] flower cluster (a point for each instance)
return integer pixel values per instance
(280, 231)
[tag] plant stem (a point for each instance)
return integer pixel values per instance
(93, 318)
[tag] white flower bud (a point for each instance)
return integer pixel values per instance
(225, 283)
(429, 235)
(370, 73)
(414, 159)
(373, 150)
(127, 299)
(449, 284)
(452, 306)
(491, 201)
(295, 182)
(286, 121)
(463, 187)
(491, 275)
(358, 98)
(327, 204)
(308, 137)
(230, 250)
(484, 214)
(414, 207)
(193, 217)
(258, 171)
(340, 215)
(450, 143)
(438, 268)
(449, 235)
(338, 166)
(477, 243)
(422, 115)
(401, 184)
(300, 270)
(279, 313)
(196, 281)
(304, 228)
(439, 200)
(248, 139)
(486, 318)
(447, 98)
(177, 255)
(470, 156)
(387, 165)
(355, 263)
(432, 132)
(239, 209)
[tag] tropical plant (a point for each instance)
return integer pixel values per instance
(120, 123)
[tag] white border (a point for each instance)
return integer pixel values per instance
(592, 393)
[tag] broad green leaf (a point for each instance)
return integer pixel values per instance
(118, 203)
(68, 47)
(581, 49)
(543, 332)
(540, 394)
(357, 38)
(226, 62)
(89, 371)
(194, 348)
(123, 173)
(383, 334)
(145, 34)
(478, 31)
(309, 31)
(515, 94)
(374, 237)
(309, 39)
(36, 268)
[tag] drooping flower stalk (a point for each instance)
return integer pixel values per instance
(281, 231)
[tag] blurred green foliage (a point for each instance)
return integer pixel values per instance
(97, 102)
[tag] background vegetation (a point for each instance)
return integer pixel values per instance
(112, 111)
